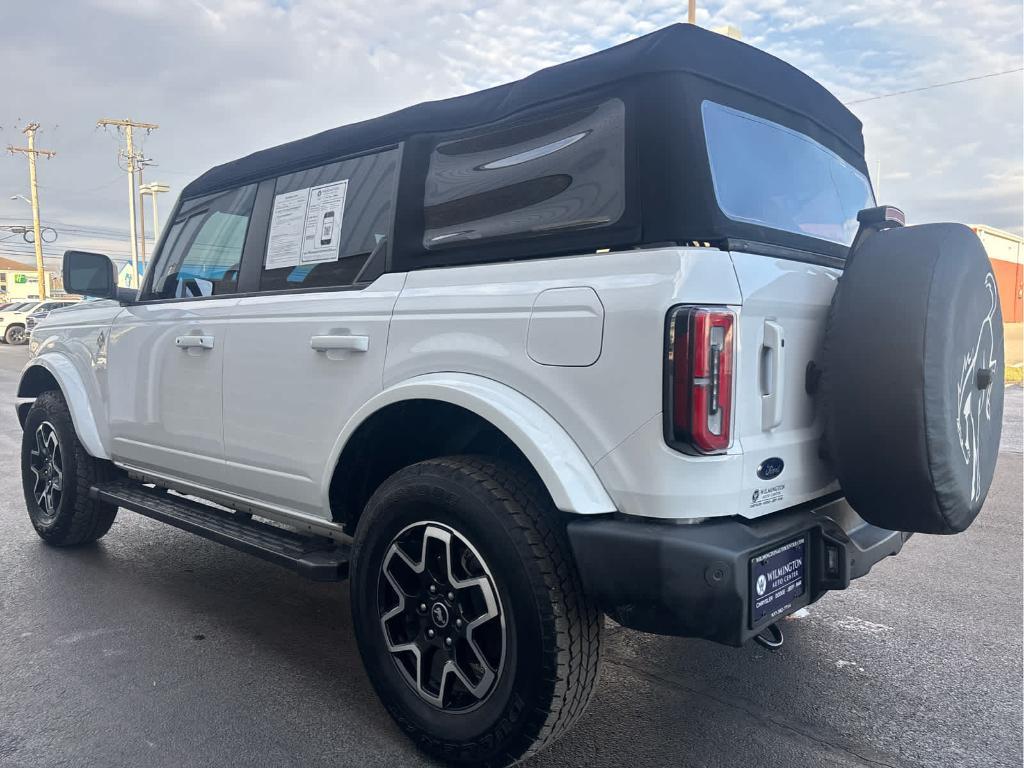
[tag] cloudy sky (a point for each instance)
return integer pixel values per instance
(226, 77)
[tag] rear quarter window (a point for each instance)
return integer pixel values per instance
(560, 172)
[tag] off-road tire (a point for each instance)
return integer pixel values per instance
(15, 334)
(77, 519)
(555, 637)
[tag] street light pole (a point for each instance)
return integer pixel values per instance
(153, 190)
(142, 220)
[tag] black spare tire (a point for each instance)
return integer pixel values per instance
(913, 378)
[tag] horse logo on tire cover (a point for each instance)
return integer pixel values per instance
(975, 404)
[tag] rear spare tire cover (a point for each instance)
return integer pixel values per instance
(913, 378)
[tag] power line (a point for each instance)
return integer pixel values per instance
(66, 226)
(935, 85)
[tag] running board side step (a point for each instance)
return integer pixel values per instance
(314, 557)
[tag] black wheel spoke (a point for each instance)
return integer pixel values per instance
(46, 465)
(434, 633)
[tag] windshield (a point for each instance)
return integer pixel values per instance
(767, 174)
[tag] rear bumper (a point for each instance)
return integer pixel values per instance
(694, 580)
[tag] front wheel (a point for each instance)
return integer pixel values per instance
(56, 474)
(469, 612)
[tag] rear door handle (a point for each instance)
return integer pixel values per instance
(193, 342)
(350, 343)
(773, 370)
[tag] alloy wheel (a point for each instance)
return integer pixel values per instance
(47, 465)
(441, 616)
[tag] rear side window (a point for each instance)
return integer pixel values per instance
(561, 172)
(203, 250)
(329, 225)
(767, 174)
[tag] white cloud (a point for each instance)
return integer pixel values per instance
(227, 77)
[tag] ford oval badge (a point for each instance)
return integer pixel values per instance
(771, 468)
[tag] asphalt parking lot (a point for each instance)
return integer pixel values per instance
(156, 648)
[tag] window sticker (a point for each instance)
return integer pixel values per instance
(305, 226)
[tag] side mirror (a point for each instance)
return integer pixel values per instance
(90, 274)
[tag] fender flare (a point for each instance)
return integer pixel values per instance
(566, 473)
(70, 382)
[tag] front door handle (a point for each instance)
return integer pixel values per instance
(350, 343)
(194, 342)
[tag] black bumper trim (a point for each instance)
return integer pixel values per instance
(693, 580)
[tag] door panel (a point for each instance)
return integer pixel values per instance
(165, 392)
(298, 367)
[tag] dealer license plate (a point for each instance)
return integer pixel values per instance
(777, 580)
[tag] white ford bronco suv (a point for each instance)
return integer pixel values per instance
(630, 336)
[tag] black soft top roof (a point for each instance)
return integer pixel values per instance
(707, 57)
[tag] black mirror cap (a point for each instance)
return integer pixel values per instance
(89, 274)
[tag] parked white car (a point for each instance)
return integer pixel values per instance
(13, 321)
(629, 337)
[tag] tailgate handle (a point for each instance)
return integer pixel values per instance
(773, 366)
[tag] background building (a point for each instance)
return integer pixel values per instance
(1006, 251)
(125, 275)
(19, 281)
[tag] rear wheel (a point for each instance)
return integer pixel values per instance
(469, 612)
(56, 476)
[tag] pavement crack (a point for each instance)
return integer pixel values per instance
(742, 707)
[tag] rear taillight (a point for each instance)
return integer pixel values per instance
(698, 378)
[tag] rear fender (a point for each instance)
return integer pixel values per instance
(561, 465)
(39, 375)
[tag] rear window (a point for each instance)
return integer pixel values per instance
(336, 246)
(767, 174)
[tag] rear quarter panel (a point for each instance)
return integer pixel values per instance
(477, 320)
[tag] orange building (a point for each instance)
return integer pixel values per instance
(1005, 252)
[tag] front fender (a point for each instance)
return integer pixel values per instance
(75, 394)
(564, 470)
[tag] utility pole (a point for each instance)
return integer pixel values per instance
(129, 153)
(31, 151)
(692, 15)
(153, 190)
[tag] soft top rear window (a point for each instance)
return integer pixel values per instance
(770, 175)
